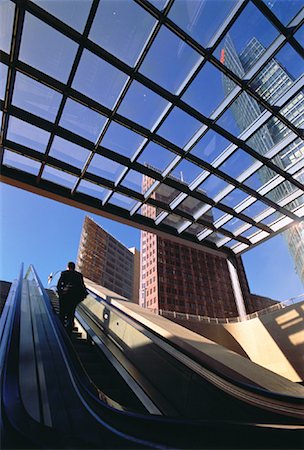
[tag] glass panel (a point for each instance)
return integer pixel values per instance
(248, 233)
(231, 243)
(92, 73)
(122, 201)
(212, 186)
(174, 221)
(218, 214)
(186, 172)
(236, 48)
(58, 177)
(207, 90)
(269, 135)
(272, 218)
(191, 205)
(210, 146)
(234, 198)
(3, 76)
(259, 178)
(195, 228)
(255, 209)
(7, 10)
(274, 79)
(74, 13)
(28, 135)
(69, 152)
(122, 140)
(300, 36)
(122, 28)
(216, 238)
(290, 155)
(237, 163)
(93, 190)
(56, 60)
(134, 180)
(280, 192)
(294, 111)
(20, 162)
(233, 225)
(295, 203)
(284, 10)
(81, 120)
(159, 4)
(156, 156)
(169, 61)
(143, 106)
(241, 114)
(179, 127)
(201, 18)
(104, 167)
(165, 194)
(36, 98)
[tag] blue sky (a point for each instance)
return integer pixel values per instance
(39, 231)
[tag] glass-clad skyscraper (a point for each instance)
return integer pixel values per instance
(271, 83)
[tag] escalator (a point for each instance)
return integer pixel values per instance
(119, 383)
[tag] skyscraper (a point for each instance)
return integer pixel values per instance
(177, 277)
(272, 81)
(106, 261)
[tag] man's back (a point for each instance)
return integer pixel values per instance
(71, 283)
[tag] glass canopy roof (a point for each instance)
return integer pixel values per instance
(179, 117)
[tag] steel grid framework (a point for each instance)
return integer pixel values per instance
(209, 231)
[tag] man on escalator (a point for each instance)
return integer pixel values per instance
(71, 291)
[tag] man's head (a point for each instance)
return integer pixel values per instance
(71, 265)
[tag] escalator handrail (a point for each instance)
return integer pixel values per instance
(241, 384)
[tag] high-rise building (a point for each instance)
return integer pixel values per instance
(105, 260)
(271, 83)
(177, 277)
(136, 274)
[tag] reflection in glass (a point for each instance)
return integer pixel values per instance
(156, 157)
(28, 135)
(260, 178)
(98, 79)
(20, 162)
(36, 98)
(104, 167)
(81, 120)
(56, 60)
(143, 106)
(74, 13)
(69, 152)
(191, 206)
(93, 190)
(196, 228)
(201, 18)
(179, 127)
(210, 146)
(7, 10)
(169, 61)
(234, 224)
(59, 177)
(3, 75)
(122, 28)
(206, 92)
(122, 201)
